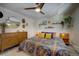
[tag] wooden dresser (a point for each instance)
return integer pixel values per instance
(8, 40)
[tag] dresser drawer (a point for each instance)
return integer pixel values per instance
(8, 40)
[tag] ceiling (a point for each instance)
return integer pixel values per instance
(50, 9)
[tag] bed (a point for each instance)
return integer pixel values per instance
(43, 47)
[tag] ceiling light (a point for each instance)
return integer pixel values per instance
(37, 9)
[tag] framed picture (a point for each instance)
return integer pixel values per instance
(23, 20)
(23, 26)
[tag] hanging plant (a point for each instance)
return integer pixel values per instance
(68, 21)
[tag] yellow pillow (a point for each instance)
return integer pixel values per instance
(64, 35)
(48, 36)
(42, 35)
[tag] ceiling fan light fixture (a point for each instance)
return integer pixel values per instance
(37, 9)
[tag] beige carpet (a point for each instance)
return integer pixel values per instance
(13, 52)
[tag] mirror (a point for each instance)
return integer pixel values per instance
(12, 22)
(12, 25)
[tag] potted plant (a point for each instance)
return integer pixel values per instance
(68, 21)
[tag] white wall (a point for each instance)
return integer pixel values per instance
(33, 25)
(8, 13)
(57, 28)
(74, 33)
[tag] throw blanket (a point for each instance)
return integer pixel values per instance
(44, 47)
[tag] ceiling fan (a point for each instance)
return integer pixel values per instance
(38, 8)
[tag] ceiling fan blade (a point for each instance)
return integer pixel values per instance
(41, 5)
(29, 8)
(42, 12)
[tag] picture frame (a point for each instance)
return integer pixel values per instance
(23, 26)
(23, 20)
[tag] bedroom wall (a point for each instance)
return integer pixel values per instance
(57, 28)
(74, 33)
(8, 13)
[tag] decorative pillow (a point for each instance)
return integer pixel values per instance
(48, 35)
(64, 35)
(41, 35)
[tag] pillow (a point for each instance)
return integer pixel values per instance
(48, 35)
(56, 34)
(64, 35)
(41, 35)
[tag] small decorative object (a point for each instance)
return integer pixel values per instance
(23, 20)
(43, 23)
(1, 14)
(23, 26)
(49, 27)
(24, 23)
